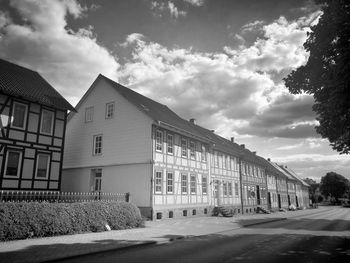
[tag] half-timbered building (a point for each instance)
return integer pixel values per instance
(32, 123)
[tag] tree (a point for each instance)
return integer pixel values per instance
(326, 74)
(334, 185)
(314, 192)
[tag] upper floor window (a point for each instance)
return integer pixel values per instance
(183, 147)
(229, 160)
(170, 143)
(89, 114)
(19, 115)
(216, 159)
(236, 189)
(47, 118)
(159, 140)
(42, 166)
(193, 184)
(192, 150)
(229, 188)
(110, 110)
(204, 185)
(224, 161)
(170, 182)
(158, 182)
(13, 163)
(184, 183)
(204, 153)
(97, 144)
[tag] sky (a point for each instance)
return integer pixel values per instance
(221, 62)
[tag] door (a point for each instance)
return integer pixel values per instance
(258, 201)
(96, 181)
(288, 200)
(296, 201)
(269, 200)
(216, 193)
(279, 201)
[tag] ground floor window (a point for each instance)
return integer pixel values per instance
(184, 183)
(13, 163)
(42, 166)
(158, 182)
(204, 185)
(193, 184)
(170, 182)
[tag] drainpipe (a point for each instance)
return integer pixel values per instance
(241, 182)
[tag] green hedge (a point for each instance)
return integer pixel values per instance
(25, 220)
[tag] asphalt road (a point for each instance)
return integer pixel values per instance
(318, 237)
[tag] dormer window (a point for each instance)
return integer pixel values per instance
(19, 115)
(46, 121)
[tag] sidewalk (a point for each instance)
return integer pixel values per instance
(155, 232)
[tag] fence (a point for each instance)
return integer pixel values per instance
(62, 197)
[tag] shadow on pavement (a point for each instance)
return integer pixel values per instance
(304, 224)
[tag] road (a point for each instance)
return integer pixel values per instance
(322, 236)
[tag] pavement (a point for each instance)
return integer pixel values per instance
(154, 232)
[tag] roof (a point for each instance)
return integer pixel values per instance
(293, 174)
(155, 110)
(21, 82)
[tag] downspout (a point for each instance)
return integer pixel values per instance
(240, 179)
(152, 172)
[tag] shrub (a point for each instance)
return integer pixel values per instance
(25, 220)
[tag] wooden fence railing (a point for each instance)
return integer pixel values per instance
(62, 197)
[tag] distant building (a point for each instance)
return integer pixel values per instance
(32, 123)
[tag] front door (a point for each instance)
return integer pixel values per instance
(96, 180)
(216, 193)
(269, 200)
(258, 195)
(279, 200)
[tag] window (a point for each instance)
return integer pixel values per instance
(170, 143)
(158, 182)
(225, 188)
(159, 140)
(229, 159)
(192, 150)
(224, 161)
(170, 182)
(236, 189)
(47, 121)
(193, 186)
(42, 166)
(89, 114)
(204, 153)
(97, 145)
(19, 115)
(183, 147)
(229, 186)
(216, 159)
(110, 110)
(13, 163)
(184, 183)
(204, 185)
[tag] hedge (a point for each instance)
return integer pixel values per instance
(33, 219)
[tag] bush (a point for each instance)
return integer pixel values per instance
(25, 220)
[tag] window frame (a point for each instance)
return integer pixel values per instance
(107, 117)
(184, 147)
(229, 188)
(192, 150)
(171, 145)
(203, 153)
(170, 179)
(19, 163)
(184, 183)
(25, 115)
(52, 121)
(94, 153)
(47, 165)
(87, 109)
(204, 185)
(158, 182)
(193, 184)
(159, 143)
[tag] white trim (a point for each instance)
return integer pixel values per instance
(94, 144)
(106, 111)
(19, 163)
(47, 166)
(52, 121)
(25, 115)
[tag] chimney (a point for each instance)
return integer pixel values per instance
(286, 167)
(193, 120)
(254, 153)
(212, 130)
(242, 145)
(232, 139)
(269, 159)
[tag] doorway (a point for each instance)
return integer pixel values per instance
(258, 195)
(279, 201)
(96, 180)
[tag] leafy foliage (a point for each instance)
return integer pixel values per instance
(25, 220)
(327, 73)
(334, 185)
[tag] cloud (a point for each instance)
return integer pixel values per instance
(195, 2)
(68, 60)
(159, 8)
(253, 26)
